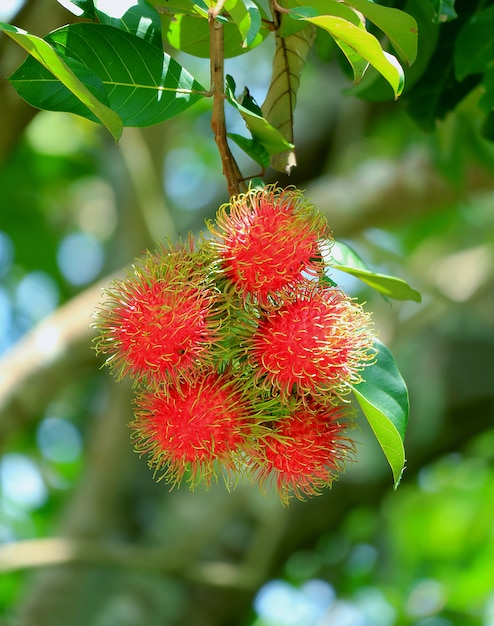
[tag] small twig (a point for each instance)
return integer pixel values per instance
(231, 171)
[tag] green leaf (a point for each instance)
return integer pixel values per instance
(81, 8)
(398, 26)
(444, 10)
(185, 27)
(343, 258)
(486, 101)
(487, 130)
(262, 132)
(358, 63)
(438, 91)
(364, 44)
(252, 148)
(317, 7)
(374, 87)
(143, 85)
(338, 9)
(474, 50)
(136, 17)
(50, 67)
(279, 106)
(247, 17)
(383, 398)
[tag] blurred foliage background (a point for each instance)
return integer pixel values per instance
(87, 536)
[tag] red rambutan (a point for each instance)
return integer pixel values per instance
(304, 452)
(158, 323)
(315, 342)
(188, 427)
(267, 239)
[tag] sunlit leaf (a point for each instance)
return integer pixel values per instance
(247, 17)
(48, 67)
(185, 27)
(364, 44)
(312, 8)
(342, 257)
(375, 88)
(358, 63)
(338, 9)
(143, 85)
(81, 8)
(400, 27)
(136, 17)
(383, 398)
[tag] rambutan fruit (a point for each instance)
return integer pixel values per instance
(191, 427)
(159, 322)
(315, 342)
(304, 451)
(267, 240)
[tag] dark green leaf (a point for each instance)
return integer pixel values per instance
(444, 10)
(48, 67)
(383, 398)
(136, 17)
(143, 85)
(30, 74)
(486, 101)
(252, 148)
(343, 258)
(474, 49)
(488, 127)
(262, 132)
(438, 91)
(247, 101)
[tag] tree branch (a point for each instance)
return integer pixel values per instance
(231, 170)
(45, 359)
(383, 192)
(37, 553)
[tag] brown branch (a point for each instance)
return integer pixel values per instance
(231, 171)
(45, 359)
(49, 551)
(384, 192)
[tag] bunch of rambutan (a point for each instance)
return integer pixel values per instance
(240, 349)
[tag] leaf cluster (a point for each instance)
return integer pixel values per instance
(113, 67)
